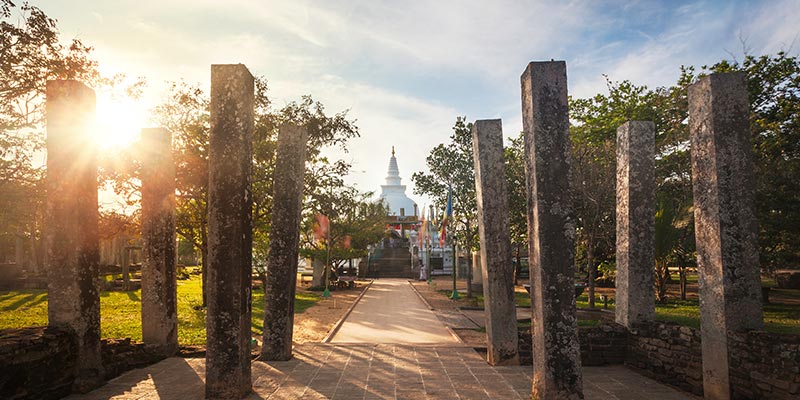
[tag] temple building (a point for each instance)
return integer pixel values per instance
(394, 194)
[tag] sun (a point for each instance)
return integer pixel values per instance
(119, 121)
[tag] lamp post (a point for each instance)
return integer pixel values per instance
(327, 291)
(454, 295)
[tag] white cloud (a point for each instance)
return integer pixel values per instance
(406, 70)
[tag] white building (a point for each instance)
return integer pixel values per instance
(394, 193)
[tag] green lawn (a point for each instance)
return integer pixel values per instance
(120, 312)
(778, 318)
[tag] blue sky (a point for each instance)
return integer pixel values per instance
(406, 69)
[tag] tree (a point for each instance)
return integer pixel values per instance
(31, 53)
(185, 112)
(452, 167)
(774, 88)
(517, 198)
(593, 137)
(339, 223)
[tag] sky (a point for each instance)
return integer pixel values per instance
(406, 69)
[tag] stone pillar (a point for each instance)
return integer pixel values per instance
(477, 282)
(317, 273)
(284, 242)
(19, 250)
(551, 232)
(636, 199)
(725, 223)
(230, 233)
(159, 281)
(71, 224)
(494, 229)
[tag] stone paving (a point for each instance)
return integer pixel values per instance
(390, 312)
(375, 371)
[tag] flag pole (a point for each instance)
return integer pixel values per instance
(448, 216)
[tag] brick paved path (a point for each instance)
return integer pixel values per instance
(442, 370)
(390, 312)
(375, 371)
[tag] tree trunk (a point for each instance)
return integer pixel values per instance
(682, 272)
(34, 255)
(592, 270)
(518, 269)
(204, 263)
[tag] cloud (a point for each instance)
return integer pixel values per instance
(406, 70)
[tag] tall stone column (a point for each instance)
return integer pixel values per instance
(725, 223)
(636, 199)
(551, 232)
(284, 242)
(494, 229)
(71, 224)
(159, 281)
(230, 233)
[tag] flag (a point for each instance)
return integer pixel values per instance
(447, 216)
(423, 230)
(321, 228)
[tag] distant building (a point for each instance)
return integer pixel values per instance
(394, 194)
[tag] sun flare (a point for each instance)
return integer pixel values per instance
(119, 121)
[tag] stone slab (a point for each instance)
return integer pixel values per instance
(497, 270)
(230, 232)
(551, 231)
(636, 199)
(71, 230)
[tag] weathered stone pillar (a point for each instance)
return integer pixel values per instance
(230, 233)
(636, 199)
(71, 224)
(284, 242)
(551, 232)
(725, 223)
(317, 273)
(159, 281)
(493, 225)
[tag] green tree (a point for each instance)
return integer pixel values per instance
(774, 88)
(31, 53)
(354, 221)
(452, 166)
(593, 137)
(185, 112)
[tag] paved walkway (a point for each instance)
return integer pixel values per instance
(390, 312)
(405, 353)
(375, 371)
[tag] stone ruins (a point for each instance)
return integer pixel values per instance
(731, 304)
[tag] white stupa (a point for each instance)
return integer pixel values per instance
(394, 194)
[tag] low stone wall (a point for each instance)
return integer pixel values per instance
(36, 363)
(668, 353)
(763, 365)
(600, 345)
(39, 362)
(122, 355)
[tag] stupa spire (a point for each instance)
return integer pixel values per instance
(394, 192)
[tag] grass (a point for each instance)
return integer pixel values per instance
(120, 312)
(778, 318)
